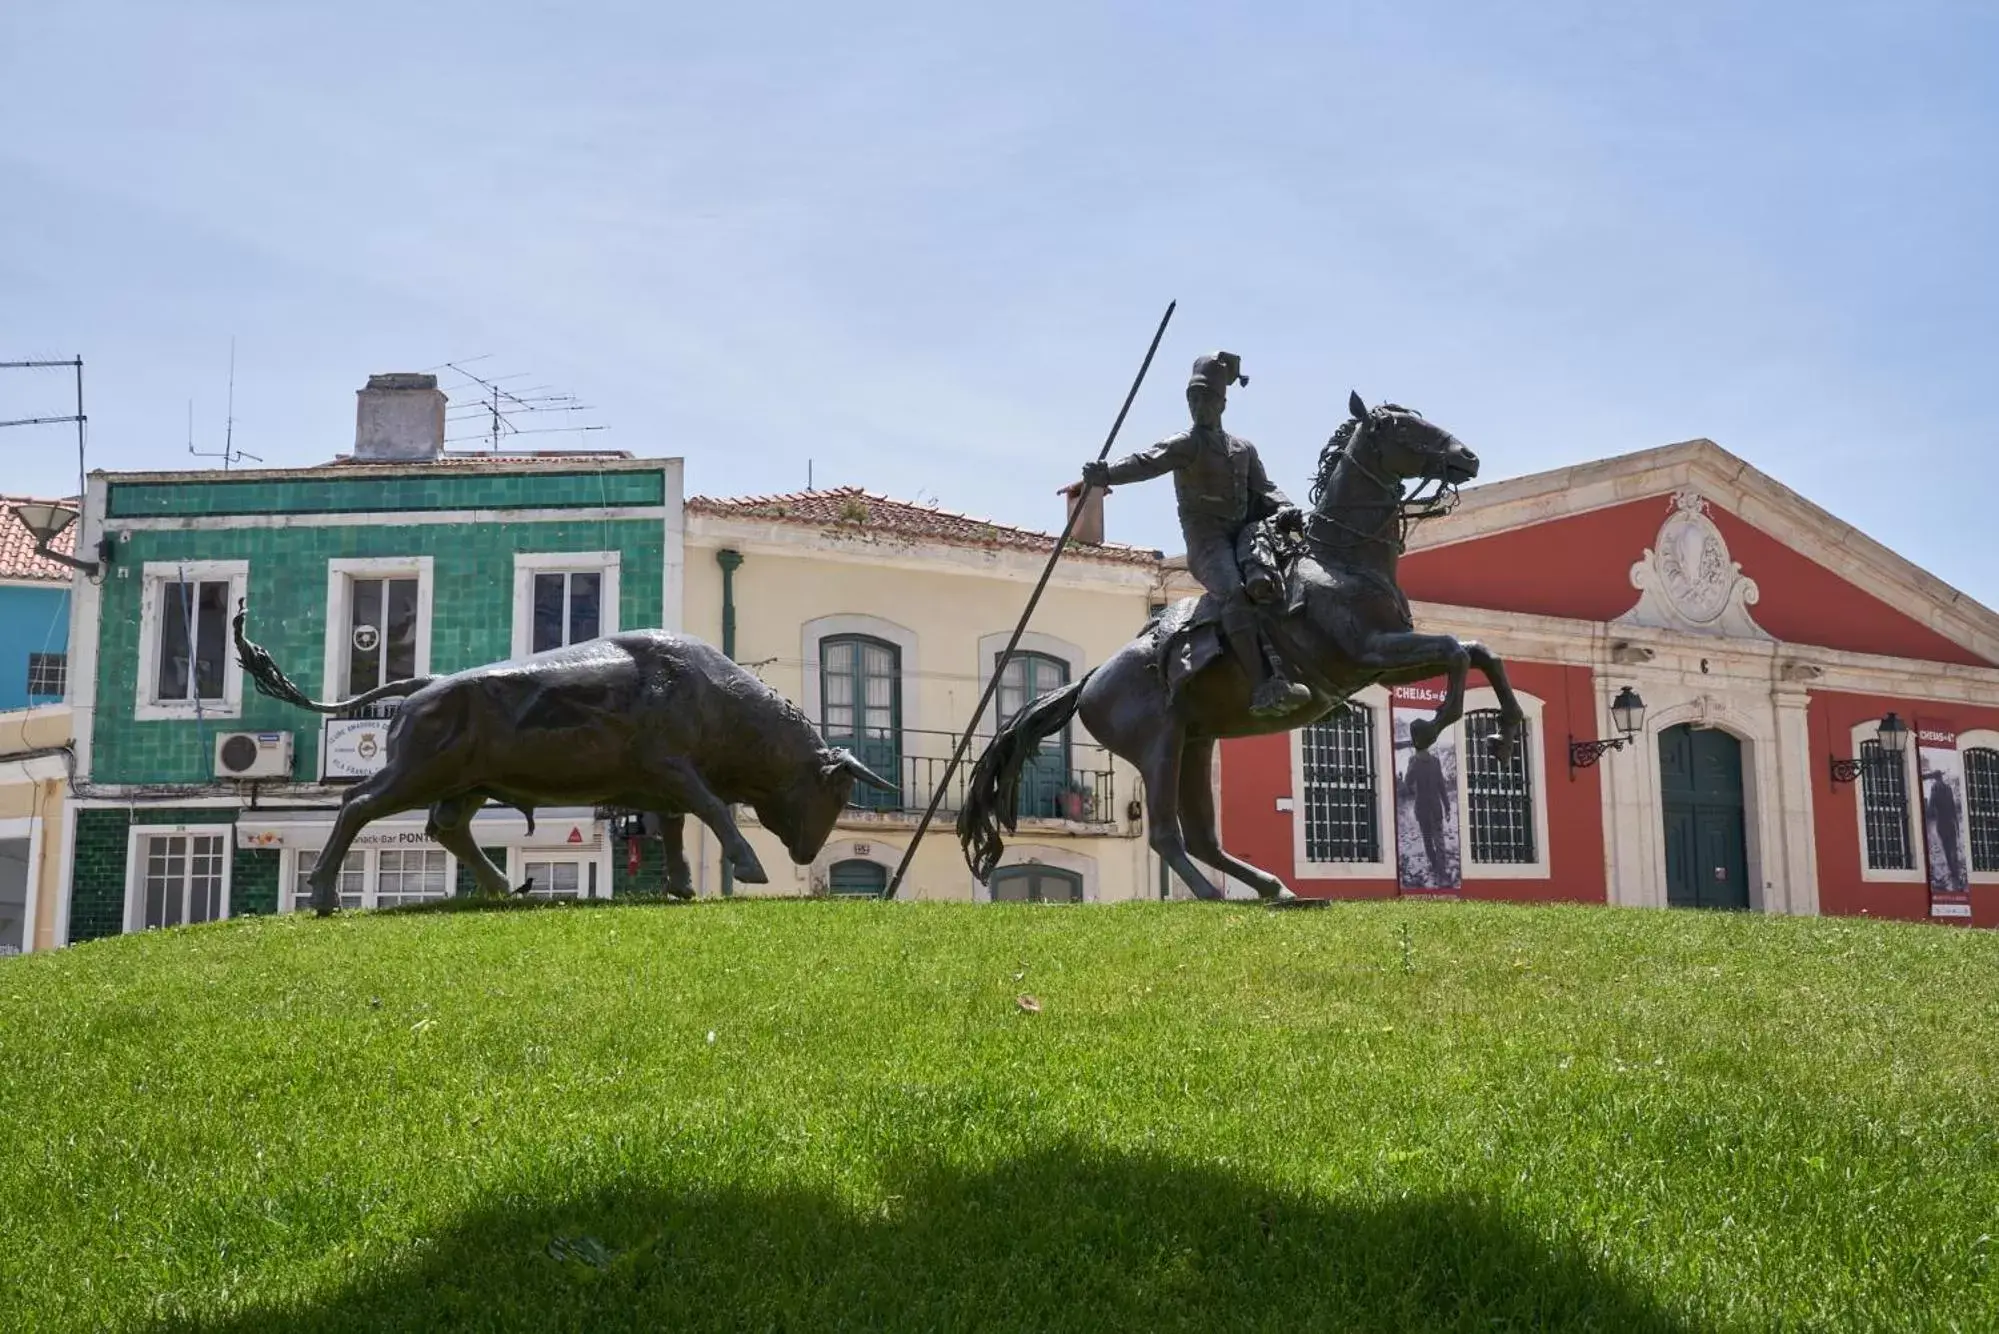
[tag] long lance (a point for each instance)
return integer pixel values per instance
(999, 669)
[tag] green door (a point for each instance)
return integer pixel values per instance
(1029, 676)
(860, 692)
(1700, 784)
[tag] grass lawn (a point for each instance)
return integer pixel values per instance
(809, 1115)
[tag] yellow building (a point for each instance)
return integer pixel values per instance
(34, 785)
(884, 621)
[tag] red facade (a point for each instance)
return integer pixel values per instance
(1826, 641)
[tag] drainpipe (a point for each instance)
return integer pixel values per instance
(730, 560)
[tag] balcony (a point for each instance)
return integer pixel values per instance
(1066, 784)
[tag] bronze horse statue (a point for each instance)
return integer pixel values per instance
(1164, 700)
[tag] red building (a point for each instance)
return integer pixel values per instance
(1767, 641)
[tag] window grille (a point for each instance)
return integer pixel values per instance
(1884, 795)
(46, 674)
(1981, 806)
(1500, 796)
(1341, 820)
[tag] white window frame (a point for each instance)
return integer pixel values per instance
(1375, 698)
(519, 857)
(1977, 738)
(340, 576)
(528, 564)
(298, 861)
(1912, 811)
(28, 827)
(157, 574)
(1537, 775)
(135, 867)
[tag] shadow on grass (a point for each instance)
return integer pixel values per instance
(1059, 1240)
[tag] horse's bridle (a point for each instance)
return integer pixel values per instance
(1408, 509)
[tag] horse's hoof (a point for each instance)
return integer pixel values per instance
(1295, 902)
(1422, 733)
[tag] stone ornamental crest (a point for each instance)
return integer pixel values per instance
(1687, 582)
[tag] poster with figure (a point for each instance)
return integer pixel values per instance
(1940, 775)
(1426, 798)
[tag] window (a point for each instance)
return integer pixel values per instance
(182, 878)
(860, 691)
(1340, 788)
(353, 882)
(377, 877)
(857, 877)
(1045, 776)
(563, 598)
(1884, 795)
(377, 622)
(1981, 806)
(1034, 883)
(1499, 797)
(45, 675)
(381, 633)
(187, 665)
(570, 878)
(410, 875)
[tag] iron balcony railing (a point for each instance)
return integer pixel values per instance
(1076, 782)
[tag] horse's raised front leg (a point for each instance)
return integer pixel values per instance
(1405, 655)
(1512, 720)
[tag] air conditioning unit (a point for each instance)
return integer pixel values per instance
(253, 755)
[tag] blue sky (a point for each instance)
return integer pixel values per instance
(925, 249)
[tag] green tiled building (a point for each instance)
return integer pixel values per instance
(198, 797)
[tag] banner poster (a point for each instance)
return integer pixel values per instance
(1426, 798)
(1940, 771)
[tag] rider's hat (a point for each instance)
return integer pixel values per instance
(1217, 371)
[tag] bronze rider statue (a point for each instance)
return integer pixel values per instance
(1223, 492)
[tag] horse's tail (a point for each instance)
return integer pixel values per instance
(269, 678)
(992, 793)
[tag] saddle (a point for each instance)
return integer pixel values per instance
(1187, 635)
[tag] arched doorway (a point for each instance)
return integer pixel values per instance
(1700, 789)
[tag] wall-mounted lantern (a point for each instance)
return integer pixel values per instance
(46, 522)
(1893, 736)
(1628, 712)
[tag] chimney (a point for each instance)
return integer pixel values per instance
(1090, 526)
(399, 419)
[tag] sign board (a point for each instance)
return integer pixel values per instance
(353, 747)
(1427, 855)
(494, 829)
(1940, 771)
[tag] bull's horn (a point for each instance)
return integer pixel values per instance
(852, 764)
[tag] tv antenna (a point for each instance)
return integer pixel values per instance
(229, 452)
(494, 413)
(78, 417)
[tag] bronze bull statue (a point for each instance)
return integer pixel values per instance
(646, 720)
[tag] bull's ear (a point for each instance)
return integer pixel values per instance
(1354, 405)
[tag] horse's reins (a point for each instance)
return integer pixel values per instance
(1408, 510)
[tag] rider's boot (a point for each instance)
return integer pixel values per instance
(1271, 693)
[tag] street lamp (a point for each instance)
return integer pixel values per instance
(1628, 712)
(1893, 737)
(46, 522)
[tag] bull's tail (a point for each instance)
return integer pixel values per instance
(265, 674)
(992, 793)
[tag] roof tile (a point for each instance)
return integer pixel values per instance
(852, 508)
